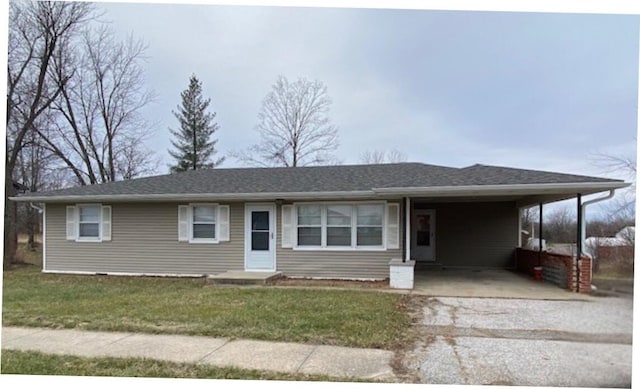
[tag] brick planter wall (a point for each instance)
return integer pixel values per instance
(556, 268)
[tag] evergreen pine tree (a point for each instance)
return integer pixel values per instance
(192, 141)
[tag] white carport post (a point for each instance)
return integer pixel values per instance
(407, 229)
(540, 236)
(401, 271)
(520, 209)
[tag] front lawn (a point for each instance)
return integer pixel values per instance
(189, 306)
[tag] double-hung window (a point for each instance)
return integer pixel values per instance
(340, 225)
(89, 217)
(309, 225)
(369, 227)
(203, 223)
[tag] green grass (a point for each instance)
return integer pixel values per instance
(188, 306)
(34, 363)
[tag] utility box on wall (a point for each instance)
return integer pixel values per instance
(401, 274)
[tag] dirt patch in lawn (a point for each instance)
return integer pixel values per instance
(403, 362)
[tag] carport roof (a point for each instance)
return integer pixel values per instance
(352, 181)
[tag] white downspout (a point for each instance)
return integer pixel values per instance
(583, 227)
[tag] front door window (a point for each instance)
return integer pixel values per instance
(260, 230)
(423, 235)
(423, 230)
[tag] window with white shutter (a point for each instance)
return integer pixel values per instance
(89, 222)
(203, 223)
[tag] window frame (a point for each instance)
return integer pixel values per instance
(78, 222)
(382, 226)
(326, 226)
(354, 226)
(191, 222)
(297, 226)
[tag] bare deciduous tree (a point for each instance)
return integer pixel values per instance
(31, 171)
(100, 133)
(624, 165)
(560, 226)
(37, 33)
(134, 160)
(381, 156)
(294, 126)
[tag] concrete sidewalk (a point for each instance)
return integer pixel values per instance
(340, 362)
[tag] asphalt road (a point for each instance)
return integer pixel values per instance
(483, 341)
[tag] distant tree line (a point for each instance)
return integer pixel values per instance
(561, 225)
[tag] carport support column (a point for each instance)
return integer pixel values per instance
(407, 229)
(540, 236)
(579, 243)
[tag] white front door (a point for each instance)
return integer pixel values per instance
(260, 237)
(423, 235)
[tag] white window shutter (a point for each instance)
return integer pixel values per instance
(183, 223)
(106, 222)
(287, 226)
(223, 223)
(71, 223)
(393, 226)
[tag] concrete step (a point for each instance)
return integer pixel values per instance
(244, 278)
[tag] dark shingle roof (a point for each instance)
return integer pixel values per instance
(341, 178)
(498, 175)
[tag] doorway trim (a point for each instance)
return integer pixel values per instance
(413, 234)
(272, 209)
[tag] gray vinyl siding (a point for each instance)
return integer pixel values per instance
(475, 234)
(144, 240)
(346, 264)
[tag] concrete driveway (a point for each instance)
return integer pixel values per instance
(482, 341)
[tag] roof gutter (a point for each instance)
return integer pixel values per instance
(442, 191)
(488, 190)
(201, 196)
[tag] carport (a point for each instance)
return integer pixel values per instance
(465, 240)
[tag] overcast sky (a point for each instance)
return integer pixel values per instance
(529, 90)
